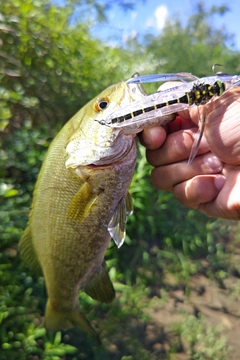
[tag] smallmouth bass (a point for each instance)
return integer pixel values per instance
(80, 201)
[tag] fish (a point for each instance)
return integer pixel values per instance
(80, 202)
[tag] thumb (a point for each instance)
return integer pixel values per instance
(222, 126)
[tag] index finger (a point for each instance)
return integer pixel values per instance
(154, 137)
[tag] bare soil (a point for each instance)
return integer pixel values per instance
(218, 306)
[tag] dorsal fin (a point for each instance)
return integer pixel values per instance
(28, 252)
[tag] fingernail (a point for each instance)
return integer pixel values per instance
(219, 181)
(212, 162)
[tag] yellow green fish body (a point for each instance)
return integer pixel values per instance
(80, 201)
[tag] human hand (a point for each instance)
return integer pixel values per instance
(212, 182)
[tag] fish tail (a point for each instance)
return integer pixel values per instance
(57, 320)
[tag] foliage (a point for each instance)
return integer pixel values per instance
(205, 342)
(48, 72)
(196, 46)
(50, 66)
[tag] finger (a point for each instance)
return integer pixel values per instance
(180, 123)
(227, 203)
(152, 138)
(167, 176)
(200, 191)
(177, 147)
(191, 114)
(215, 195)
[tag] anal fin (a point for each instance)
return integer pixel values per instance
(100, 287)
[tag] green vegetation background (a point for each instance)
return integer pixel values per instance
(49, 68)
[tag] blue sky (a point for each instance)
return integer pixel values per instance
(151, 16)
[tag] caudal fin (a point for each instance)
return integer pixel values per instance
(57, 320)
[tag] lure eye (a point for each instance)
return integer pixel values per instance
(101, 104)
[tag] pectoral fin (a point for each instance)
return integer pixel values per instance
(28, 252)
(129, 204)
(100, 287)
(81, 203)
(117, 225)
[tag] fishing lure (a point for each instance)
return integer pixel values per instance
(171, 100)
(199, 94)
(181, 76)
(152, 109)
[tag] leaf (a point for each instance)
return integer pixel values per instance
(10, 193)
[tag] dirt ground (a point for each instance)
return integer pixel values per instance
(219, 307)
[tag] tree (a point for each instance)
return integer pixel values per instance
(49, 66)
(195, 47)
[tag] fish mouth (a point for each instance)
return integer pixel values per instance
(120, 149)
(99, 167)
(111, 161)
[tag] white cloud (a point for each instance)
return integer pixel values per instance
(159, 19)
(161, 14)
(133, 15)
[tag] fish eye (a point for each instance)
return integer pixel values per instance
(101, 104)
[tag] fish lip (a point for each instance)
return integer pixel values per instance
(99, 167)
